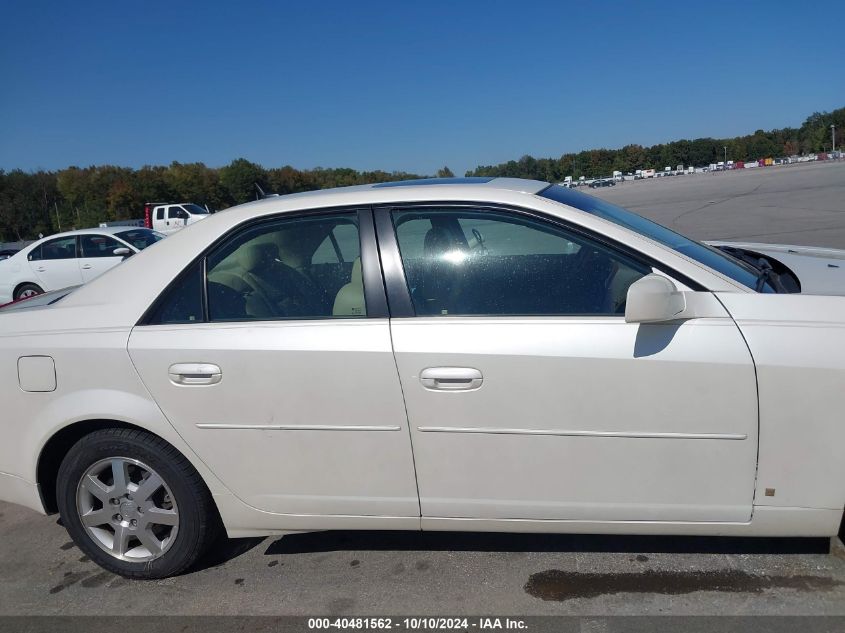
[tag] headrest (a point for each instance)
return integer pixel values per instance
(437, 241)
(257, 256)
(350, 299)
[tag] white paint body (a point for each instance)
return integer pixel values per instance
(575, 424)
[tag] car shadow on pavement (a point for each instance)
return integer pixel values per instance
(224, 550)
(499, 542)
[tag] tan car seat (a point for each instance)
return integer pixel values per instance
(350, 298)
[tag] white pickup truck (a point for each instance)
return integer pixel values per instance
(169, 218)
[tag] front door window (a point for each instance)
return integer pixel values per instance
(469, 262)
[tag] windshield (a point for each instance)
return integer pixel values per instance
(707, 255)
(140, 238)
(194, 209)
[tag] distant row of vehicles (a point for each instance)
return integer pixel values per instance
(618, 176)
(681, 170)
(75, 257)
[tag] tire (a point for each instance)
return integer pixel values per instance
(27, 290)
(164, 513)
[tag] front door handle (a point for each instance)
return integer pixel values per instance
(451, 378)
(86, 266)
(195, 374)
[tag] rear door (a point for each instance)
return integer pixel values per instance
(276, 367)
(96, 255)
(530, 397)
(55, 263)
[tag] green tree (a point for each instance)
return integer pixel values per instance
(445, 172)
(238, 180)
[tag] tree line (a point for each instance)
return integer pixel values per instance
(32, 203)
(81, 197)
(813, 136)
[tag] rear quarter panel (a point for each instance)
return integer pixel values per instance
(95, 380)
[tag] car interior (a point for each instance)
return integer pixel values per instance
(291, 270)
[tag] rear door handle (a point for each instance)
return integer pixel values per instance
(195, 374)
(451, 378)
(41, 269)
(86, 266)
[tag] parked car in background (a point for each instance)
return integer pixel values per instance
(169, 218)
(602, 182)
(467, 354)
(69, 259)
(6, 253)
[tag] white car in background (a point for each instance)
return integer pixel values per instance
(69, 259)
(454, 354)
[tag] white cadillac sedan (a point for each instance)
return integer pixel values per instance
(69, 259)
(456, 354)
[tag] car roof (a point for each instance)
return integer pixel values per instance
(484, 182)
(104, 230)
(398, 190)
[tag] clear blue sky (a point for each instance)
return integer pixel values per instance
(400, 85)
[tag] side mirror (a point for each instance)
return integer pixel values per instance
(121, 251)
(653, 299)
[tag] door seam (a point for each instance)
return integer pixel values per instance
(757, 398)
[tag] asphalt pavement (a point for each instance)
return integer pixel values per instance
(801, 204)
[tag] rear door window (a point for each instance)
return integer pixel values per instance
(60, 248)
(288, 268)
(299, 268)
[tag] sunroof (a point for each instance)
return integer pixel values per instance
(477, 180)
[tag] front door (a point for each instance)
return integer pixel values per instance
(530, 397)
(96, 255)
(284, 383)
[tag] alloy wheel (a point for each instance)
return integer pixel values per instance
(127, 509)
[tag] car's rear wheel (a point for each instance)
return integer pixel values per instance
(25, 291)
(134, 504)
